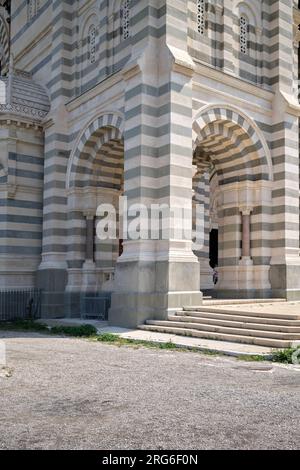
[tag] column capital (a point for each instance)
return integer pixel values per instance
(246, 210)
(89, 214)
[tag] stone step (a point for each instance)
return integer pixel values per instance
(204, 309)
(211, 301)
(234, 338)
(206, 316)
(227, 330)
(238, 322)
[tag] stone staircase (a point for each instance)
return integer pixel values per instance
(219, 320)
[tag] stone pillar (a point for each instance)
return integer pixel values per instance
(245, 269)
(285, 262)
(203, 197)
(89, 277)
(246, 236)
(157, 275)
(52, 273)
(90, 242)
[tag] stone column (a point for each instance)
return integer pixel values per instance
(89, 278)
(90, 243)
(246, 236)
(159, 273)
(52, 272)
(202, 198)
(285, 262)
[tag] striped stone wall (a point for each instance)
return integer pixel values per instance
(21, 206)
(220, 40)
(136, 111)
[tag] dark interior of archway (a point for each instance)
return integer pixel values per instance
(214, 248)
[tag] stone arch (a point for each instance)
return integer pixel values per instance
(244, 8)
(95, 176)
(216, 126)
(91, 17)
(100, 131)
(227, 142)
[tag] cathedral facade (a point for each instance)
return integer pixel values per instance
(175, 102)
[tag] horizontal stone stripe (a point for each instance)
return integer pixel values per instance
(54, 248)
(11, 234)
(21, 204)
(28, 159)
(26, 174)
(20, 250)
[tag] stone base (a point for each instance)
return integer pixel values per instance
(285, 280)
(131, 310)
(244, 277)
(53, 304)
(242, 294)
(149, 289)
(72, 304)
(206, 275)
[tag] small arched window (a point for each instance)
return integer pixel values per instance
(244, 34)
(201, 7)
(92, 44)
(125, 19)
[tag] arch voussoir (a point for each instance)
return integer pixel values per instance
(101, 130)
(225, 131)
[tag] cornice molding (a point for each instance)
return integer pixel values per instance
(19, 121)
(182, 61)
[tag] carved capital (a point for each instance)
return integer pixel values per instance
(246, 210)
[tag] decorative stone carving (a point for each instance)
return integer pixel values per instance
(24, 97)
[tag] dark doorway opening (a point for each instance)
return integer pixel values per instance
(121, 248)
(214, 248)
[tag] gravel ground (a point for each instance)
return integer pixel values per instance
(61, 393)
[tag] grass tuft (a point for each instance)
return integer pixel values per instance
(76, 331)
(24, 325)
(29, 325)
(252, 358)
(284, 355)
(108, 338)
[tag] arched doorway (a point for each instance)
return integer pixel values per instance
(233, 162)
(95, 177)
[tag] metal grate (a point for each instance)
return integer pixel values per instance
(95, 306)
(20, 304)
